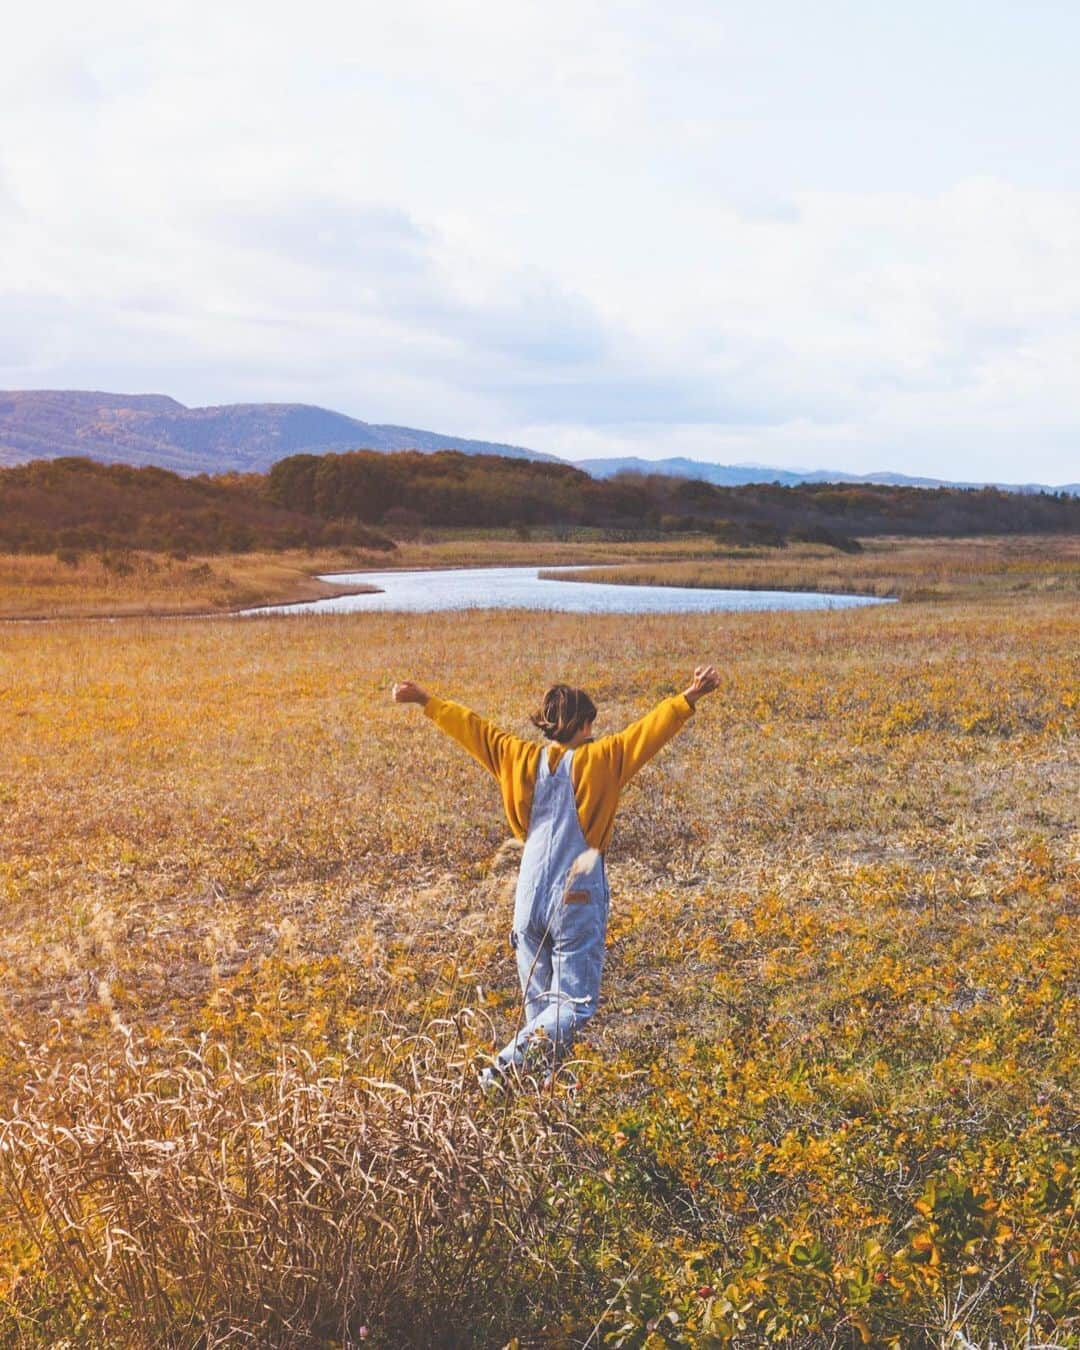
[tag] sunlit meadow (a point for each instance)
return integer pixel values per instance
(255, 946)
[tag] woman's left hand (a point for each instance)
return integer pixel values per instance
(408, 692)
(706, 679)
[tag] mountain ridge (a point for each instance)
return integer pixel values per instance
(740, 475)
(156, 429)
(140, 429)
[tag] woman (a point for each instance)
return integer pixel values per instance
(562, 804)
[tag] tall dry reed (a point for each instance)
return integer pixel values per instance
(167, 1196)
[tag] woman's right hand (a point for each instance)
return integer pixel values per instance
(706, 679)
(408, 692)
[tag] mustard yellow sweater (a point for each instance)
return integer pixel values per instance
(599, 771)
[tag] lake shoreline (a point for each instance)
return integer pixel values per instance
(536, 589)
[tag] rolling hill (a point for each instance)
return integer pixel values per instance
(141, 429)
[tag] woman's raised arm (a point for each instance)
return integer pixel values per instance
(636, 744)
(481, 738)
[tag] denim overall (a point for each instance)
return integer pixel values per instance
(560, 921)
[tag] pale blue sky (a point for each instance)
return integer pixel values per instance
(843, 235)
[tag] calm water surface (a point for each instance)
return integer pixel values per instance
(522, 588)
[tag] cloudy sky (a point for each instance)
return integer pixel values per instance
(844, 234)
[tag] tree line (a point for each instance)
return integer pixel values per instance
(450, 488)
(362, 498)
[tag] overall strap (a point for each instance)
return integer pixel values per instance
(544, 769)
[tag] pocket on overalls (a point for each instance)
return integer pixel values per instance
(580, 908)
(578, 892)
(585, 879)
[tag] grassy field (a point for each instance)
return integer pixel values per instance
(255, 946)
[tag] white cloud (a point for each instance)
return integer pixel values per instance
(591, 227)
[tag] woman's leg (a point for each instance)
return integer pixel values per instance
(534, 969)
(577, 963)
(570, 959)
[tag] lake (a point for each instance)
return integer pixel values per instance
(522, 588)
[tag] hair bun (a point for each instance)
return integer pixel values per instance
(563, 713)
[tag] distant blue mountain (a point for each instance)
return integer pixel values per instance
(736, 475)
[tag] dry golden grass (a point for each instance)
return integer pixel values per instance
(909, 569)
(189, 1201)
(831, 1093)
(40, 586)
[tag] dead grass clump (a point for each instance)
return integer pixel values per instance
(167, 1196)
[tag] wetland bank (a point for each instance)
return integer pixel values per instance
(831, 1090)
(430, 590)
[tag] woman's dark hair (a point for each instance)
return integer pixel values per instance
(563, 713)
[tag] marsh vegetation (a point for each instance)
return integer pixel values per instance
(255, 945)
